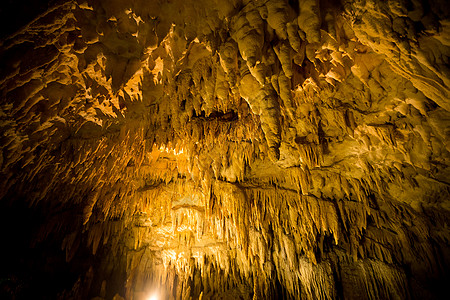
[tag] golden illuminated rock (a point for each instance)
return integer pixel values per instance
(243, 149)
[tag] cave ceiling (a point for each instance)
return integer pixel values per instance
(237, 149)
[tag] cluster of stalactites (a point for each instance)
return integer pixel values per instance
(233, 146)
(252, 233)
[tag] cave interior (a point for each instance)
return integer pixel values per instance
(224, 149)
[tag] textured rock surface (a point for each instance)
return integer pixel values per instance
(227, 149)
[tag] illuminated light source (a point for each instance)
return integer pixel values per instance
(153, 296)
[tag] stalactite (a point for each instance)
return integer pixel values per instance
(233, 149)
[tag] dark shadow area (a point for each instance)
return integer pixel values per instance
(31, 271)
(16, 14)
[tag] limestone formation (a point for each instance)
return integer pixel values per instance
(227, 149)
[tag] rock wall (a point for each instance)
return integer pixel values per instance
(227, 149)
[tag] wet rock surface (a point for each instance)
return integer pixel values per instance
(227, 149)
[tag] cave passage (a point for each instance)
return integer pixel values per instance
(226, 149)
